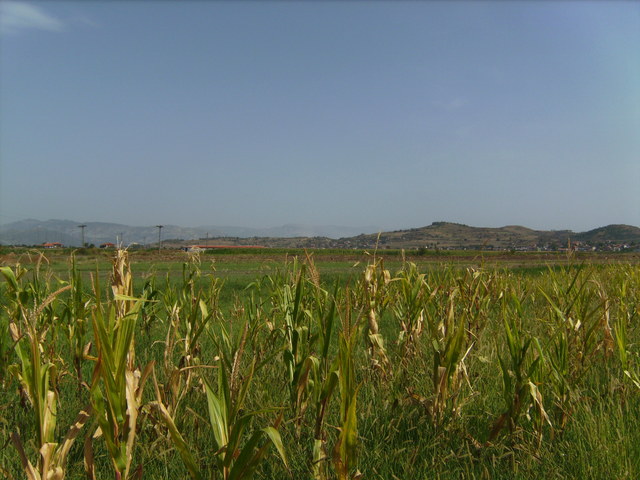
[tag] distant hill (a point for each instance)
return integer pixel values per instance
(611, 233)
(454, 235)
(67, 232)
(438, 235)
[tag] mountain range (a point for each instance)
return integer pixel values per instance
(68, 232)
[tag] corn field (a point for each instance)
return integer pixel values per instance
(444, 373)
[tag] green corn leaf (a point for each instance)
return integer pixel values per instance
(511, 341)
(248, 460)
(235, 436)
(349, 432)
(276, 439)
(178, 441)
(10, 278)
(244, 389)
(620, 330)
(506, 380)
(328, 325)
(329, 385)
(217, 416)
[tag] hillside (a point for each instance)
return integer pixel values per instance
(445, 235)
(438, 235)
(611, 233)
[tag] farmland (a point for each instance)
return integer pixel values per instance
(344, 364)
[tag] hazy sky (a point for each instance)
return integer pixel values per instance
(394, 114)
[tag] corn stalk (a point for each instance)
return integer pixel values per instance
(188, 314)
(627, 313)
(346, 448)
(408, 307)
(35, 377)
(237, 457)
(117, 385)
(323, 377)
(376, 298)
(75, 319)
(520, 378)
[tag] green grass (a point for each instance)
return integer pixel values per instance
(397, 434)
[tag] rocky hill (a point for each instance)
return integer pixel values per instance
(445, 235)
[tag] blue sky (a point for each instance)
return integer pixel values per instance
(257, 114)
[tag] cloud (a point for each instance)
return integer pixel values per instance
(18, 16)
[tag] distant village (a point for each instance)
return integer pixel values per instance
(327, 243)
(547, 247)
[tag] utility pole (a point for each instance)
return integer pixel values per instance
(159, 227)
(82, 227)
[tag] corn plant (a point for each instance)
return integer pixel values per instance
(75, 319)
(578, 310)
(345, 449)
(35, 376)
(445, 326)
(480, 291)
(291, 315)
(375, 299)
(408, 306)
(6, 348)
(24, 298)
(149, 309)
(117, 384)
(169, 420)
(322, 378)
(297, 335)
(308, 314)
(7, 343)
(323, 383)
(628, 314)
(188, 311)
(448, 342)
(236, 456)
(559, 379)
(235, 459)
(520, 378)
(628, 366)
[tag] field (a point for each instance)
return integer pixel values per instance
(336, 364)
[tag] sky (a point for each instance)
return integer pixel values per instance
(356, 113)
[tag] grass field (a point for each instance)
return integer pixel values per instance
(339, 364)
